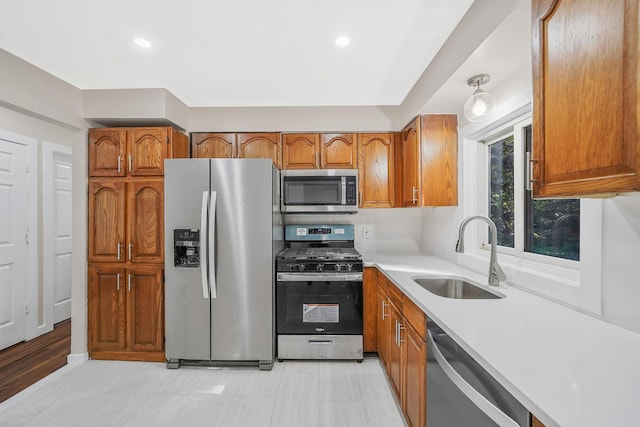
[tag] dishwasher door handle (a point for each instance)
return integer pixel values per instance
(472, 394)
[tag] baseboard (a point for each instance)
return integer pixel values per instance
(77, 359)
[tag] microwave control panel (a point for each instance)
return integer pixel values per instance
(352, 191)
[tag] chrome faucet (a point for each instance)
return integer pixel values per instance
(496, 274)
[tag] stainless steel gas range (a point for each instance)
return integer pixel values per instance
(319, 294)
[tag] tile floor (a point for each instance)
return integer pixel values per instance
(294, 393)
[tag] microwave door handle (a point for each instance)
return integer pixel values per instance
(212, 244)
(204, 259)
(472, 394)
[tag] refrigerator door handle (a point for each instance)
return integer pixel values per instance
(204, 260)
(211, 234)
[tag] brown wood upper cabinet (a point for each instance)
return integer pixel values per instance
(119, 152)
(376, 170)
(237, 145)
(136, 207)
(439, 145)
(586, 118)
(428, 161)
(319, 151)
(411, 163)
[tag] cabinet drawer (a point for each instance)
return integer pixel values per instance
(416, 317)
(395, 296)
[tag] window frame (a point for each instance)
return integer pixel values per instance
(516, 129)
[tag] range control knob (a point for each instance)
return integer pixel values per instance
(301, 267)
(349, 267)
(338, 267)
(320, 267)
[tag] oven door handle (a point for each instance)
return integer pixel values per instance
(319, 277)
(467, 389)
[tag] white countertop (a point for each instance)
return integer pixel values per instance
(568, 368)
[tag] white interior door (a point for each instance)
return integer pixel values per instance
(13, 242)
(57, 231)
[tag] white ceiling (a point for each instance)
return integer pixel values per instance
(236, 52)
(505, 55)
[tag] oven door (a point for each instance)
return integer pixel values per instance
(312, 307)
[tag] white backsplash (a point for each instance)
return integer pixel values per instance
(440, 232)
(620, 258)
(389, 231)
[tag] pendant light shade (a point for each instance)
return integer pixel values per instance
(480, 105)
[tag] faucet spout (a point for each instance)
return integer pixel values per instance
(496, 274)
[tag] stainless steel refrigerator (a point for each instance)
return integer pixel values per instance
(223, 229)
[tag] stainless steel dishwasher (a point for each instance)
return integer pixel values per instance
(461, 393)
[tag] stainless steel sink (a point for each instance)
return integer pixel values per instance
(453, 287)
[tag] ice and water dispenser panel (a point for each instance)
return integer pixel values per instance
(186, 244)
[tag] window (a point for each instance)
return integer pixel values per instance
(541, 227)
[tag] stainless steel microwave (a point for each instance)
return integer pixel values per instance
(319, 191)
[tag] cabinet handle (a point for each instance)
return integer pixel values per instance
(384, 315)
(397, 342)
(118, 281)
(317, 156)
(130, 251)
(129, 281)
(414, 198)
(118, 255)
(130, 162)
(119, 163)
(529, 171)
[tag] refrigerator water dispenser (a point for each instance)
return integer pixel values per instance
(186, 248)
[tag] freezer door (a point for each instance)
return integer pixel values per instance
(187, 292)
(242, 311)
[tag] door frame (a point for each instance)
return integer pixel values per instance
(49, 151)
(32, 226)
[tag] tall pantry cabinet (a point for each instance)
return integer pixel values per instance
(126, 240)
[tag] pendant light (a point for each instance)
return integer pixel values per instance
(481, 104)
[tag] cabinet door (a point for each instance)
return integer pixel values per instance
(107, 151)
(586, 118)
(106, 220)
(106, 306)
(146, 151)
(439, 160)
(300, 151)
(145, 304)
(395, 348)
(216, 145)
(410, 141)
(382, 326)
(375, 164)
(370, 312)
(260, 146)
(145, 221)
(415, 372)
(338, 151)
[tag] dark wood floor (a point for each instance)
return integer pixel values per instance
(25, 363)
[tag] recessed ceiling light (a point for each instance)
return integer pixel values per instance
(142, 42)
(343, 41)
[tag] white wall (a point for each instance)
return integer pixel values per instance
(620, 261)
(40, 130)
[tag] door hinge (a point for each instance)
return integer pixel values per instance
(26, 308)
(26, 237)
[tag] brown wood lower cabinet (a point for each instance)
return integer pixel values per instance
(126, 312)
(402, 347)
